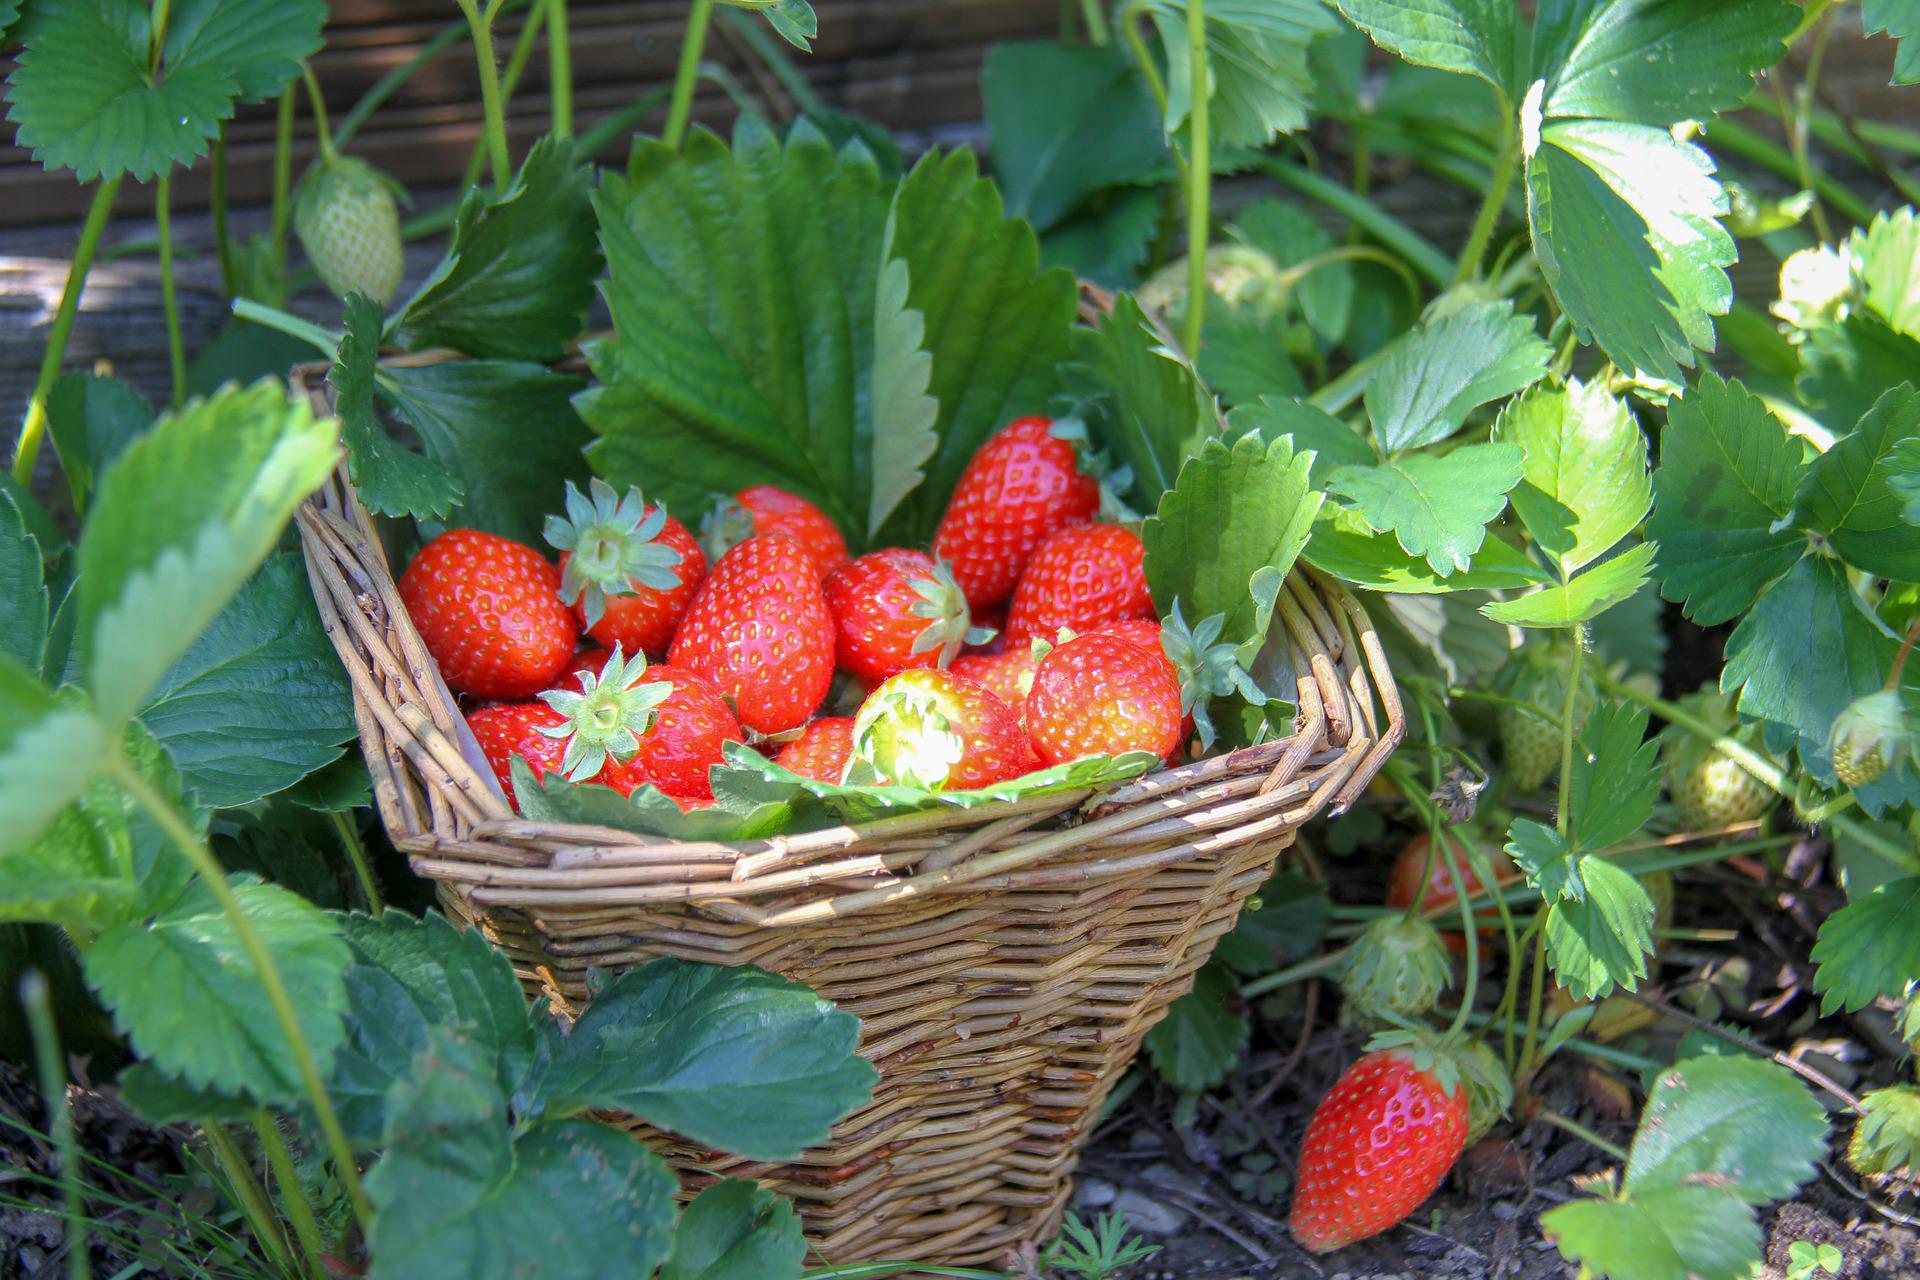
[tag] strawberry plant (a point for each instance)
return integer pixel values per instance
(762, 483)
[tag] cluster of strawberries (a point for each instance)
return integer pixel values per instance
(1026, 638)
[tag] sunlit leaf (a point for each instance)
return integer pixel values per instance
(1257, 55)
(1437, 506)
(1744, 1125)
(1601, 940)
(1870, 947)
(1431, 379)
(1848, 495)
(1469, 36)
(1586, 483)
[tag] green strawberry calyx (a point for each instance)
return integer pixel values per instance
(1448, 1057)
(724, 527)
(1869, 737)
(608, 717)
(613, 547)
(1208, 667)
(905, 736)
(950, 620)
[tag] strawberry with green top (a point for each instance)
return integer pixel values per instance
(691, 728)
(1711, 790)
(1008, 673)
(1102, 695)
(629, 570)
(489, 611)
(344, 214)
(1530, 742)
(1396, 969)
(762, 508)
(895, 609)
(759, 629)
(821, 751)
(526, 729)
(941, 731)
(1870, 737)
(1380, 1142)
(1078, 578)
(1023, 484)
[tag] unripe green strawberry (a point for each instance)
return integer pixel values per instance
(350, 228)
(1869, 737)
(1529, 743)
(1709, 789)
(1396, 969)
(1886, 1138)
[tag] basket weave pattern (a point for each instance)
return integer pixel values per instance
(1005, 960)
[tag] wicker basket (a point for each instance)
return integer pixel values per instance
(1005, 960)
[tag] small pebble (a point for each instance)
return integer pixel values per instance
(1093, 1193)
(1148, 1216)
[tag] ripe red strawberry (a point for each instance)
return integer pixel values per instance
(1403, 883)
(591, 658)
(489, 611)
(759, 629)
(1023, 484)
(761, 508)
(691, 729)
(1009, 673)
(934, 729)
(1379, 1143)
(1100, 695)
(1078, 578)
(507, 729)
(627, 569)
(896, 609)
(821, 751)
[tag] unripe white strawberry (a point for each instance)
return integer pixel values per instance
(350, 227)
(1869, 737)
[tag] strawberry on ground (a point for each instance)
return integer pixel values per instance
(1078, 578)
(1023, 484)
(1008, 673)
(489, 611)
(1380, 1142)
(821, 751)
(1102, 695)
(894, 609)
(935, 729)
(762, 508)
(507, 729)
(628, 570)
(759, 629)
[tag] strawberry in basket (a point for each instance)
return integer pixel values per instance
(489, 611)
(629, 570)
(894, 609)
(1024, 483)
(762, 508)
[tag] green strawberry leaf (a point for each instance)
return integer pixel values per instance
(1616, 776)
(736, 1058)
(1288, 234)
(1870, 947)
(905, 415)
(794, 21)
(1584, 598)
(506, 430)
(391, 480)
(1066, 121)
(1430, 380)
(1473, 37)
(25, 608)
(101, 861)
(159, 1098)
(1602, 939)
(1900, 19)
(260, 700)
(1886, 1138)
(648, 811)
(1886, 267)
(1850, 365)
(458, 1194)
(1847, 496)
(1903, 477)
(1807, 649)
(1437, 506)
(1623, 214)
(1155, 412)
(1284, 922)
(1257, 51)
(184, 992)
(1547, 857)
(85, 98)
(1681, 1233)
(179, 523)
(1330, 441)
(518, 273)
(410, 975)
(1107, 244)
(1244, 352)
(91, 419)
(1743, 1125)
(1226, 536)
(1586, 482)
(1196, 1044)
(1378, 563)
(1725, 484)
(737, 1230)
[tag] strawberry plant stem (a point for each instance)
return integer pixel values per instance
(509, 81)
(208, 867)
(753, 32)
(291, 325)
(293, 1196)
(559, 69)
(1568, 711)
(873, 1270)
(357, 855)
(1900, 658)
(383, 88)
(169, 300)
(1199, 176)
(1095, 16)
(1469, 930)
(157, 34)
(1794, 120)
(1581, 1132)
(282, 182)
(692, 47)
(53, 1089)
(1420, 253)
(481, 25)
(1508, 159)
(217, 198)
(1729, 135)
(1530, 1043)
(322, 135)
(251, 1197)
(27, 451)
